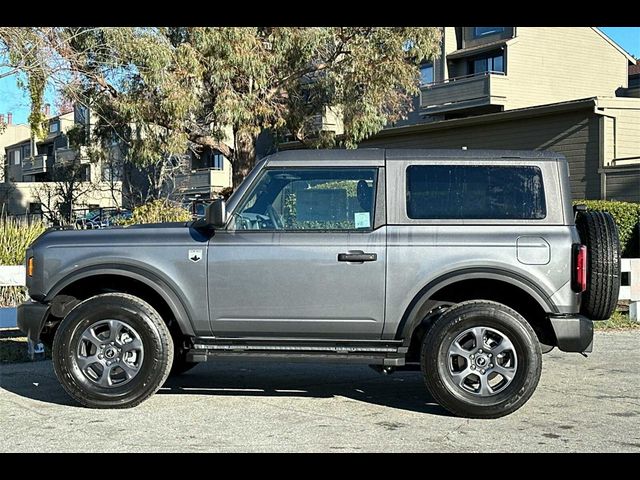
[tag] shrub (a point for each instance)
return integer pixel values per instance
(15, 237)
(627, 218)
(158, 211)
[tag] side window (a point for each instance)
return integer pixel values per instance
(309, 199)
(475, 192)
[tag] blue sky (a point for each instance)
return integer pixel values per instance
(14, 100)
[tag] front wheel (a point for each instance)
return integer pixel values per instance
(481, 359)
(112, 351)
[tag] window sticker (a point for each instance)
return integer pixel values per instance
(362, 220)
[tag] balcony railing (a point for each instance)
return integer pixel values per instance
(205, 181)
(477, 90)
(72, 155)
(34, 165)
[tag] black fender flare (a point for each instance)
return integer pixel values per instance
(161, 286)
(421, 302)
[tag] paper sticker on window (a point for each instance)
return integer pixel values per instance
(362, 219)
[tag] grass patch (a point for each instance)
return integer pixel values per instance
(618, 321)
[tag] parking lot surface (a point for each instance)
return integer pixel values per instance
(581, 405)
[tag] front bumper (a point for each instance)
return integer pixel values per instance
(31, 318)
(574, 333)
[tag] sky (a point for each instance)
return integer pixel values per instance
(12, 99)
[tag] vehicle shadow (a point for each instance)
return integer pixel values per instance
(403, 390)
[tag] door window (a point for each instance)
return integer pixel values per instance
(309, 199)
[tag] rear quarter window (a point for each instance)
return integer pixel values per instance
(475, 192)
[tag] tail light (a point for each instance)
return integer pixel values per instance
(579, 268)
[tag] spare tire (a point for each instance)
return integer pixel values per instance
(599, 233)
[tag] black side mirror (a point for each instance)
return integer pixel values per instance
(216, 214)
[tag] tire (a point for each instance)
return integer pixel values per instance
(599, 233)
(119, 327)
(522, 361)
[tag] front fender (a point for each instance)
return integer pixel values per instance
(163, 287)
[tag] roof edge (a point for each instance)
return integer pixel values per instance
(614, 44)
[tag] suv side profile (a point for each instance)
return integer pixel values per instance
(465, 264)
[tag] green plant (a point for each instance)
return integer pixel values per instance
(15, 237)
(618, 321)
(158, 211)
(627, 218)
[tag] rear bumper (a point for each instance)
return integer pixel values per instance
(31, 317)
(574, 333)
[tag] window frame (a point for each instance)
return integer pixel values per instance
(215, 157)
(54, 127)
(379, 176)
(485, 34)
(486, 57)
(433, 73)
(467, 221)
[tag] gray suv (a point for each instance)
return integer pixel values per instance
(467, 265)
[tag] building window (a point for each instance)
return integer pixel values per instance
(16, 157)
(217, 161)
(35, 207)
(54, 127)
(493, 62)
(110, 173)
(484, 31)
(426, 74)
(475, 192)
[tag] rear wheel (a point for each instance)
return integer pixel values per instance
(599, 233)
(481, 359)
(112, 351)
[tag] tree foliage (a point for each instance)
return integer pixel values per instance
(162, 91)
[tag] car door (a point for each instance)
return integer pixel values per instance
(301, 258)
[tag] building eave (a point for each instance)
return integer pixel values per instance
(539, 110)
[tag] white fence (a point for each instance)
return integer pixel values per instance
(14, 276)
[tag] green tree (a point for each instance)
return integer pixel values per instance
(165, 90)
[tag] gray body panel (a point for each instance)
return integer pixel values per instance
(284, 284)
(155, 256)
(292, 285)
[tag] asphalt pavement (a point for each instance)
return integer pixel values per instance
(581, 405)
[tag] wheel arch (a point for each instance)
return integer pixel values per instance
(127, 279)
(472, 282)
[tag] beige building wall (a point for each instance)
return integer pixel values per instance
(556, 64)
(221, 179)
(620, 123)
(10, 135)
(21, 194)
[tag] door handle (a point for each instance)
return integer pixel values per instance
(357, 256)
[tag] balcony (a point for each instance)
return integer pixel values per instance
(471, 92)
(34, 165)
(203, 181)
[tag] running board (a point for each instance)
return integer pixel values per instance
(388, 353)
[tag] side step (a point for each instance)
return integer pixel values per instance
(387, 353)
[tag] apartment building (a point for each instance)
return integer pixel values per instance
(205, 175)
(10, 133)
(565, 89)
(31, 168)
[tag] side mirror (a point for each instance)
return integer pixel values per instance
(216, 214)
